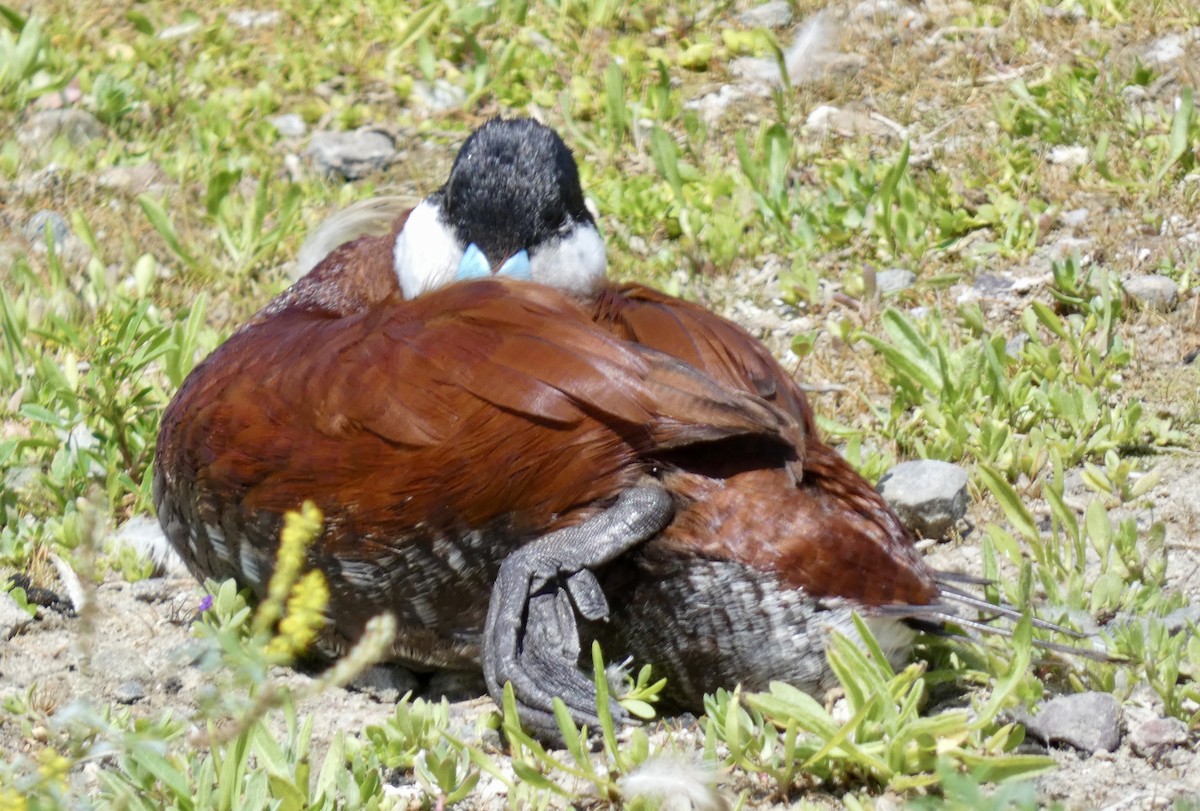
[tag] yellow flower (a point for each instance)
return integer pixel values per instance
(305, 616)
(53, 766)
(12, 800)
(300, 529)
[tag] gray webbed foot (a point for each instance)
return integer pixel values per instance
(532, 637)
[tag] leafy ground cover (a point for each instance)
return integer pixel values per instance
(1029, 164)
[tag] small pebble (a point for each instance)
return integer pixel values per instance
(826, 119)
(289, 125)
(438, 97)
(894, 280)
(1074, 218)
(254, 19)
(928, 495)
(991, 284)
(129, 692)
(351, 155)
(1153, 737)
(131, 180)
(491, 741)
(1153, 292)
(774, 14)
(1066, 246)
(1089, 722)
(714, 105)
(35, 229)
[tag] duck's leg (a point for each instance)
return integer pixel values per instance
(531, 637)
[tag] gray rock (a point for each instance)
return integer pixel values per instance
(893, 280)
(129, 692)
(13, 618)
(1167, 49)
(929, 496)
(351, 155)
(991, 284)
(1088, 722)
(289, 125)
(773, 14)
(35, 229)
(1153, 292)
(1152, 738)
(385, 683)
(79, 127)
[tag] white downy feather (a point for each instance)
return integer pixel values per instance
(371, 217)
(815, 44)
(679, 784)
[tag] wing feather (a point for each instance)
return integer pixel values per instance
(704, 340)
(392, 412)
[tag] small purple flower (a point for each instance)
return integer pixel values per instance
(206, 603)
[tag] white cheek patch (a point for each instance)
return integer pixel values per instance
(427, 254)
(575, 263)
